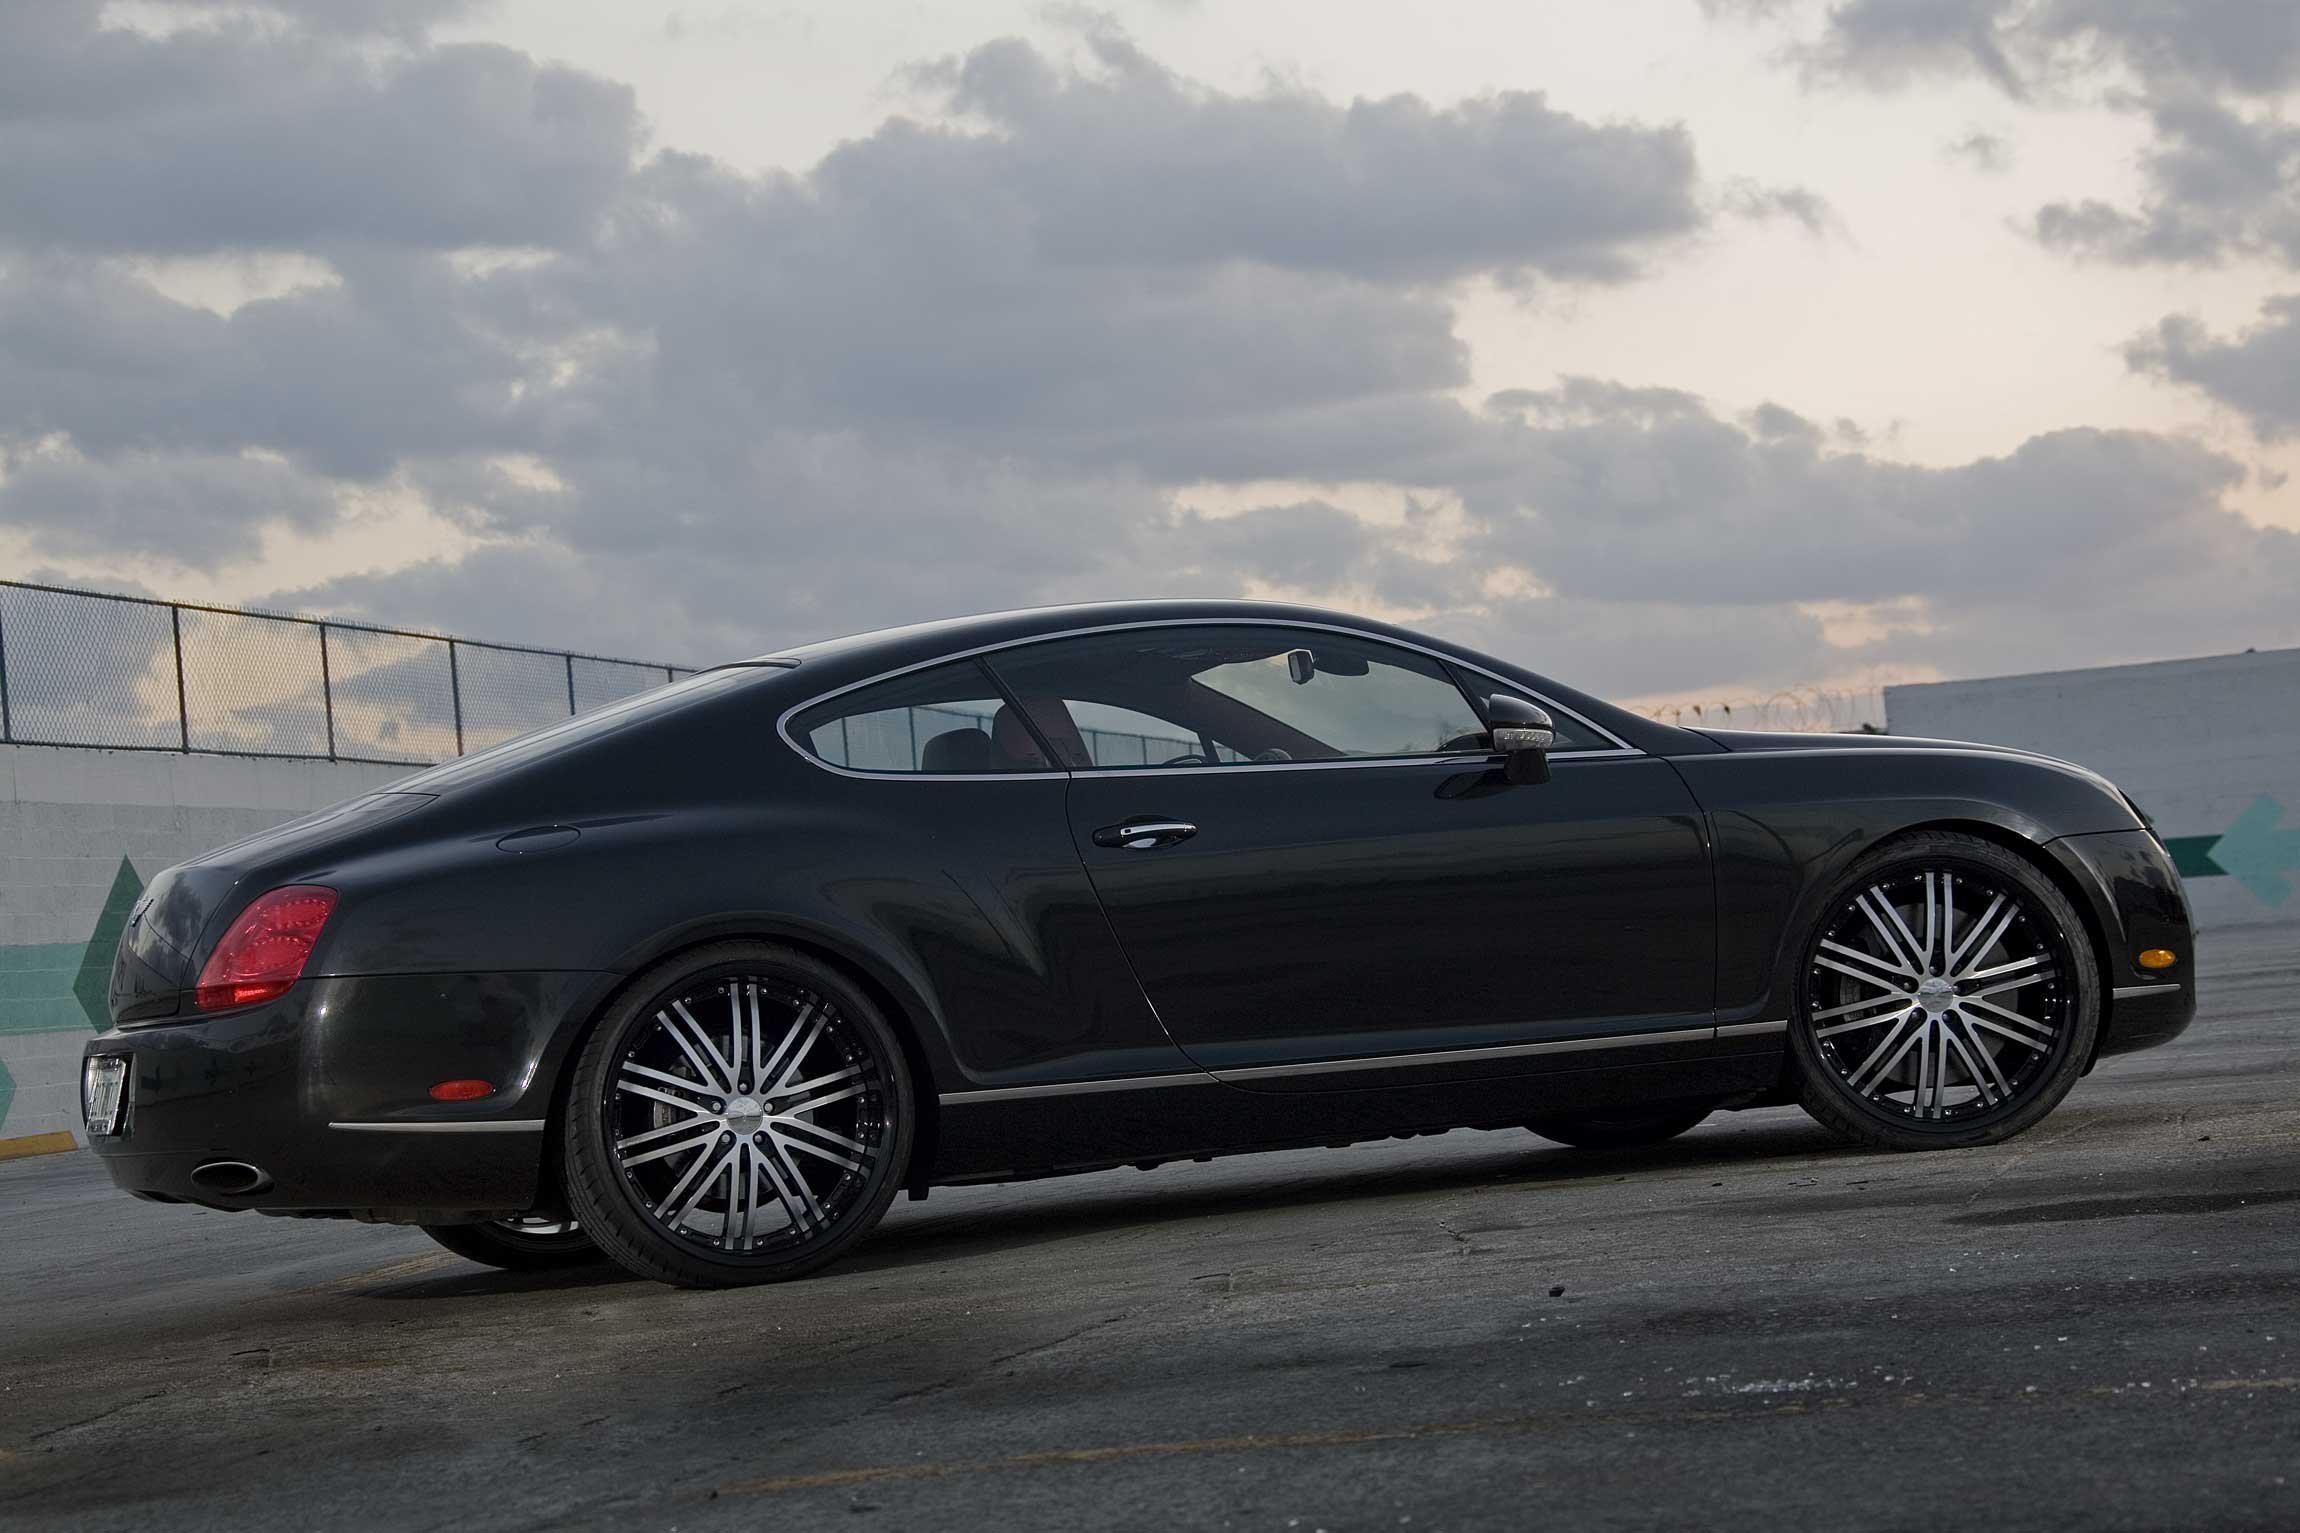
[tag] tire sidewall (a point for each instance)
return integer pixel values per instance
(596, 1187)
(1834, 1102)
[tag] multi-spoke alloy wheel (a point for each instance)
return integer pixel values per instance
(742, 1116)
(528, 1243)
(1949, 997)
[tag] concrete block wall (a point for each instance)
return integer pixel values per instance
(2210, 748)
(81, 832)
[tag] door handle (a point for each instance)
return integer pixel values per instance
(1143, 835)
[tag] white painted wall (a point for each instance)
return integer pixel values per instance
(2199, 743)
(67, 820)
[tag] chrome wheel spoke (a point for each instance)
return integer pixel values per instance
(686, 1104)
(829, 1135)
(1885, 981)
(1879, 1063)
(656, 1135)
(1885, 916)
(806, 1028)
(703, 1185)
(787, 1142)
(1870, 1003)
(797, 1198)
(1986, 932)
(688, 1034)
(701, 1141)
(2023, 1030)
(1983, 1065)
(701, 1093)
(2017, 983)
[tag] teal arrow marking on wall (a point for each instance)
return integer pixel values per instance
(57, 987)
(2257, 854)
(93, 988)
(7, 1090)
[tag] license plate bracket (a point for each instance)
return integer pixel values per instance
(104, 1095)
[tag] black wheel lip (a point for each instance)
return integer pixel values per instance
(2035, 910)
(799, 969)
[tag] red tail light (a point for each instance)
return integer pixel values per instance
(266, 949)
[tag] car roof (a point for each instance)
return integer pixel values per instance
(887, 649)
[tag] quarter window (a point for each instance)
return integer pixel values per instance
(949, 720)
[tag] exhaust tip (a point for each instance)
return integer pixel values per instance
(231, 1178)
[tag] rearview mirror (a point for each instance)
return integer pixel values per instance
(1524, 733)
(1302, 664)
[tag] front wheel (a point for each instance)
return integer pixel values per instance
(1621, 1128)
(743, 1115)
(537, 1243)
(1948, 996)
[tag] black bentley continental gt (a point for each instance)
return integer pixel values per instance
(702, 979)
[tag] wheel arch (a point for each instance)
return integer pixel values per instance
(2085, 899)
(904, 1009)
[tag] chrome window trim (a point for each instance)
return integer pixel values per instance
(1368, 1062)
(477, 1126)
(1623, 749)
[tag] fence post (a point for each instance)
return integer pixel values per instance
(455, 695)
(570, 686)
(327, 691)
(7, 723)
(183, 714)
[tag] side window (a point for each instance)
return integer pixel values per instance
(947, 720)
(1209, 696)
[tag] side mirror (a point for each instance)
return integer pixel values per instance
(1523, 733)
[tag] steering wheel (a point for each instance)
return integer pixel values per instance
(1187, 758)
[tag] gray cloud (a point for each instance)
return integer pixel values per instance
(1890, 42)
(1132, 166)
(2221, 177)
(241, 135)
(1982, 150)
(988, 355)
(2220, 183)
(2256, 374)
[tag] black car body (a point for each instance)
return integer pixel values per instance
(1307, 945)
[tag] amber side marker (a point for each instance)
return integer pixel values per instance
(2158, 958)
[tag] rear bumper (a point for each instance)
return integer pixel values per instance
(326, 1091)
(2138, 902)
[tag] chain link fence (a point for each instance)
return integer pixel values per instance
(130, 673)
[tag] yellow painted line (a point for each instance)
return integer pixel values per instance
(36, 1144)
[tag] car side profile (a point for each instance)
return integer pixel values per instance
(703, 979)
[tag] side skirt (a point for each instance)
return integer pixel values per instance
(999, 1136)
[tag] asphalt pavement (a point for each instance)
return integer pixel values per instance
(2094, 1326)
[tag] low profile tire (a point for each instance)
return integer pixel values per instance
(741, 1115)
(1948, 996)
(1626, 1128)
(520, 1245)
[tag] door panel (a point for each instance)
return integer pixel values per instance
(1345, 909)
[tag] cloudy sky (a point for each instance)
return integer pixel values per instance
(1680, 348)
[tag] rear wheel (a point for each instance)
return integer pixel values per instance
(1621, 1128)
(532, 1244)
(742, 1116)
(1948, 996)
